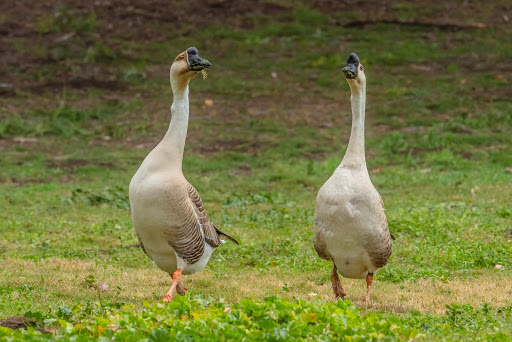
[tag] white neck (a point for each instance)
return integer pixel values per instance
(174, 139)
(354, 157)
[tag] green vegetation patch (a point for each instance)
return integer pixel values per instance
(270, 319)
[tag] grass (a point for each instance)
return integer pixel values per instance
(438, 150)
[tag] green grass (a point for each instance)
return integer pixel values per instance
(438, 148)
(271, 319)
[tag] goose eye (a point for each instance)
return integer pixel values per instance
(361, 68)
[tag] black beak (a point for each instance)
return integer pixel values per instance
(351, 69)
(195, 62)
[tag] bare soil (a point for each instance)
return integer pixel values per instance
(72, 164)
(25, 49)
(17, 322)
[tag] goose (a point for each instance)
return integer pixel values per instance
(351, 229)
(167, 212)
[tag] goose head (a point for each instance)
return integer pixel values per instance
(354, 72)
(186, 66)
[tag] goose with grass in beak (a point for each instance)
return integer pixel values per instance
(167, 213)
(351, 228)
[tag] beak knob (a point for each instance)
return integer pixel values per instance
(353, 59)
(351, 69)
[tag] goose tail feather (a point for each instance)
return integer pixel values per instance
(221, 234)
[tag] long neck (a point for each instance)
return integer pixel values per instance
(354, 157)
(174, 139)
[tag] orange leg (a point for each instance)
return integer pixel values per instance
(176, 276)
(369, 282)
(336, 284)
(181, 289)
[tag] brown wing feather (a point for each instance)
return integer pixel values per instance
(185, 237)
(210, 232)
(380, 254)
(320, 247)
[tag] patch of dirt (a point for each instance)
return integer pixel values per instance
(98, 251)
(72, 164)
(231, 145)
(136, 245)
(17, 322)
(451, 15)
(466, 155)
(244, 170)
(470, 64)
(493, 94)
(69, 164)
(32, 45)
(476, 63)
(80, 84)
(22, 182)
(419, 151)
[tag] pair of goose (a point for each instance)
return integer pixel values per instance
(175, 232)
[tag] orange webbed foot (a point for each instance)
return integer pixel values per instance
(167, 297)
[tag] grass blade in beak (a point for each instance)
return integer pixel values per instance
(205, 75)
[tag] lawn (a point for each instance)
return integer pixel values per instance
(87, 96)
